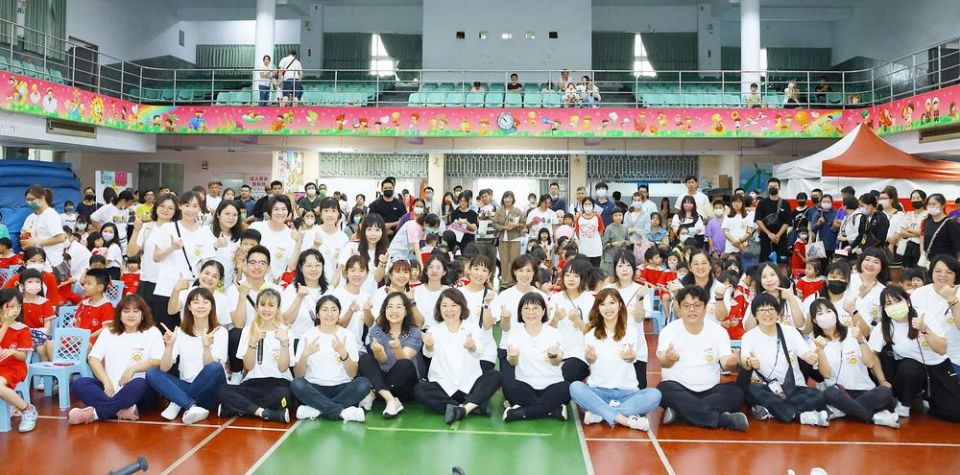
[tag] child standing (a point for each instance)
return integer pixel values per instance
(114, 254)
(15, 346)
(589, 231)
(95, 310)
(131, 278)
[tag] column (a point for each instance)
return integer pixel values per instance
(749, 42)
(265, 30)
(578, 176)
(435, 173)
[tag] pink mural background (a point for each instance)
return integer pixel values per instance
(27, 95)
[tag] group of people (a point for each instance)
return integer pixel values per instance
(279, 308)
(285, 79)
(582, 94)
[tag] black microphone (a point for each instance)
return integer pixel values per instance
(139, 465)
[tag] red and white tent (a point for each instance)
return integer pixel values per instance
(867, 162)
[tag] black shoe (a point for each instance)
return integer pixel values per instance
(454, 414)
(458, 471)
(669, 416)
(734, 421)
(559, 413)
(276, 415)
(224, 411)
(515, 413)
(482, 410)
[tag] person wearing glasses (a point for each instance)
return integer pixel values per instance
(692, 351)
(242, 301)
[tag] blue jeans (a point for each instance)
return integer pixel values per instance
(264, 95)
(202, 391)
(597, 401)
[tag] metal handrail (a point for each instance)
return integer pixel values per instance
(902, 77)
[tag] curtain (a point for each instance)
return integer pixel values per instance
(347, 51)
(8, 13)
(798, 59)
(407, 50)
(671, 51)
(730, 58)
(237, 56)
(612, 51)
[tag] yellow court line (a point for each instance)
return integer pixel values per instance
(471, 432)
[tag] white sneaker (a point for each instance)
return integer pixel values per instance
(394, 407)
(305, 412)
(235, 379)
(195, 414)
(886, 418)
(814, 418)
(591, 418)
(638, 423)
(902, 411)
(367, 403)
(353, 413)
(506, 404)
(39, 386)
(171, 412)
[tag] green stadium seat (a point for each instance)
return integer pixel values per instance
(551, 99)
(166, 95)
(474, 99)
(56, 75)
(436, 99)
(185, 95)
(454, 99)
(428, 86)
(493, 99)
(731, 100)
(15, 66)
(532, 100)
(513, 99)
(496, 87)
(151, 94)
(416, 100)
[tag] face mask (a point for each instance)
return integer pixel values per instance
(826, 206)
(801, 204)
(107, 236)
(773, 191)
(32, 287)
(356, 219)
(310, 221)
(430, 230)
(684, 237)
(601, 192)
(836, 286)
(388, 193)
(884, 203)
(35, 266)
(718, 213)
(588, 209)
(417, 210)
(89, 197)
(827, 320)
(323, 193)
(897, 311)
(311, 192)
(803, 236)
(637, 204)
(554, 197)
(933, 210)
(33, 205)
(917, 204)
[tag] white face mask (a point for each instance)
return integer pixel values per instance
(884, 203)
(601, 192)
(637, 204)
(309, 221)
(418, 210)
(933, 210)
(588, 209)
(718, 212)
(35, 266)
(826, 206)
(827, 320)
(32, 287)
(108, 236)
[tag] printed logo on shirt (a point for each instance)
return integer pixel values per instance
(197, 250)
(950, 320)
(709, 355)
(875, 313)
(137, 355)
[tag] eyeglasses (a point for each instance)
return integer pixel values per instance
(766, 310)
(257, 263)
(691, 306)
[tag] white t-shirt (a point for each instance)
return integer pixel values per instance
(427, 302)
(896, 222)
(698, 368)
(474, 304)
(868, 307)
(80, 259)
(190, 350)
(903, 347)
(452, 366)
(119, 352)
(934, 307)
(109, 213)
(767, 348)
(369, 285)
(225, 256)
(291, 68)
(843, 317)
(846, 362)
(220, 302)
(304, 321)
(573, 344)
(148, 267)
(356, 321)
(546, 219)
(610, 371)
(281, 245)
(702, 201)
(198, 245)
(231, 299)
(590, 236)
(268, 365)
(330, 249)
(213, 202)
(737, 226)
(533, 367)
(510, 299)
(44, 226)
(630, 295)
(323, 369)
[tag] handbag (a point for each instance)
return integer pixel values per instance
(771, 220)
(816, 249)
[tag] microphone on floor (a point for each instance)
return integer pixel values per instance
(139, 465)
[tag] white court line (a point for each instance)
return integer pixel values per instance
(663, 456)
(778, 442)
(162, 423)
(465, 431)
(583, 439)
(196, 448)
(273, 448)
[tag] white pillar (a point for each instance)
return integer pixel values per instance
(266, 26)
(749, 42)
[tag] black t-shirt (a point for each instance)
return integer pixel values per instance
(767, 207)
(514, 86)
(947, 240)
(470, 215)
(84, 210)
(391, 211)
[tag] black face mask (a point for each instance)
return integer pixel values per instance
(917, 204)
(89, 197)
(836, 286)
(388, 193)
(773, 191)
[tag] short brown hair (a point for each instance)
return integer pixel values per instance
(132, 300)
(186, 324)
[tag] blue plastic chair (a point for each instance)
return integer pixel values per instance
(115, 292)
(24, 389)
(65, 317)
(5, 274)
(70, 347)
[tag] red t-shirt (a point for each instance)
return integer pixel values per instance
(809, 287)
(12, 369)
(14, 260)
(130, 283)
(51, 288)
(36, 314)
(92, 317)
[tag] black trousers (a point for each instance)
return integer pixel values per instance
(574, 369)
(910, 379)
(233, 344)
(506, 369)
(400, 380)
(766, 247)
(432, 395)
(701, 409)
(536, 403)
(801, 399)
(809, 372)
(641, 368)
(157, 303)
(861, 405)
(246, 398)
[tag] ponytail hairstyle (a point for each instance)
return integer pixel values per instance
(39, 191)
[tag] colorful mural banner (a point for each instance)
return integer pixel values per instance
(36, 97)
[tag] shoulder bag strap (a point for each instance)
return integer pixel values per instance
(176, 225)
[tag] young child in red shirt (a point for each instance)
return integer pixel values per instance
(811, 282)
(16, 344)
(95, 310)
(38, 313)
(131, 278)
(8, 258)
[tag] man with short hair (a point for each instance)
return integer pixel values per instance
(214, 188)
(773, 219)
(704, 208)
(311, 201)
(692, 351)
(556, 202)
(259, 209)
(606, 204)
(456, 193)
(247, 201)
(514, 84)
(432, 206)
(649, 207)
(291, 72)
(388, 206)
(577, 206)
(845, 192)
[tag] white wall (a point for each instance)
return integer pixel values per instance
(242, 32)
(889, 29)
(645, 19)
(121, 29)
(783, 34)
(443, 18)
(375, 18)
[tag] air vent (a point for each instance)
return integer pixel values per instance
(74, 129)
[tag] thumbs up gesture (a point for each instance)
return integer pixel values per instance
(919, 324)
(427, 340)
(821, 342)
(949, 293)
(752, 361)
(513, 351)
(395, 344)
(591, 354)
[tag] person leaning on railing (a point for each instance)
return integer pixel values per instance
(266, 79)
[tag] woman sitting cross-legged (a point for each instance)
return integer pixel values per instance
(536, 388)
(265, 351)
(327, 384)
(455, 383)
(200, 344)
(611, 354)
(392, 364)
(126, 349)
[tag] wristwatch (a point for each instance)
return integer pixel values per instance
(485, 307)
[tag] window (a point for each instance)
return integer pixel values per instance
(381, 64)
(641, 64)
(530, 35)
(506, 36)
(553, 35)
(482, 35)
(461, 35)
(763, 62)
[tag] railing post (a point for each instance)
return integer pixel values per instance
(140, 88)
(45, 55)
(913, 76)
(176, 93)
(213, 86)
(99, 72)
(843, 89)
(123, 67)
